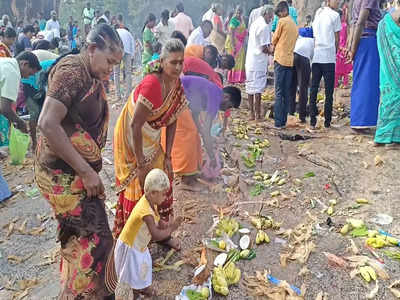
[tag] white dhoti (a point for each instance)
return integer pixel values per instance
(256, 81)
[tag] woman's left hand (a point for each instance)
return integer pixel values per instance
(168, 168)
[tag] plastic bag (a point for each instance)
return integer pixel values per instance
(19, 143)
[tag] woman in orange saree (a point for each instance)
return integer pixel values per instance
(155, 103)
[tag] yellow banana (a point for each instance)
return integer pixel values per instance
(365, 274)
(345, 229)
(362, 201)
(371, 272)
(266, 237)
(259, 237)
(330, 210)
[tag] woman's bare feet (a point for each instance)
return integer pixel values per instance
(190, 183)
(392, 146)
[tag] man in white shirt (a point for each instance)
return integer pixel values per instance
(303, 54)
(105, 18)
(95, 19)
(200, 34)
(129, 51)
(182, 22)
(5, 22)
(11, 71)
(53, 24)
(165, 28)
(255, 13)
(326, 28)
(257, 59)
(88, 16)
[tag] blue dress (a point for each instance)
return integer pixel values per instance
(4, 190)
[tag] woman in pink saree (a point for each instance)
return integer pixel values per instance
(343, 69)
(234, 46)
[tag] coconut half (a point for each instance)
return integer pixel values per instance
(244, 231)
(220, 259)
(244, 242)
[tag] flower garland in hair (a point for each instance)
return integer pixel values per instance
(152, 67)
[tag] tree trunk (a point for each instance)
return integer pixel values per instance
(306, 7)
(27, 10)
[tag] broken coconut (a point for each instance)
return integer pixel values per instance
(244, 242)
(220, 259)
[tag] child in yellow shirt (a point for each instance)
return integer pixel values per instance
(132, 258)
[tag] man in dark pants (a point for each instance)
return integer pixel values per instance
(283, 42)
(326, 28)
(303, 53)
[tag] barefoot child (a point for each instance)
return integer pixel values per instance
(133, 262)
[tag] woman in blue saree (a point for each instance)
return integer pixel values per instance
(388, 128)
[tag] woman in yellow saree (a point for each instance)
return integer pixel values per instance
(155, 103)
(234, 45)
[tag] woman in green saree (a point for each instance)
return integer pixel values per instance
(148, 39)
(388, 128)
(235, 44)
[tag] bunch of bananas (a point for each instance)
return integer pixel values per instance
(380, 241)
(262, 237)
(241, 132)
(227, 225)
(219, 282)
(262, 222)
(241, 129)
(259, 144)
(223, 277)
(232, 274)
(367, 273)
(268, 96)
(261, 176)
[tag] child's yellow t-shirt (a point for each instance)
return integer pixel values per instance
(135, 233)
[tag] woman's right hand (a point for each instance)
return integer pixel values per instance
(93, 184)
(21, 125)
(142, 172)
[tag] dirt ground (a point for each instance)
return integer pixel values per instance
(346, 166)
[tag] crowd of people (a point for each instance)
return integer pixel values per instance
(190, 78)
